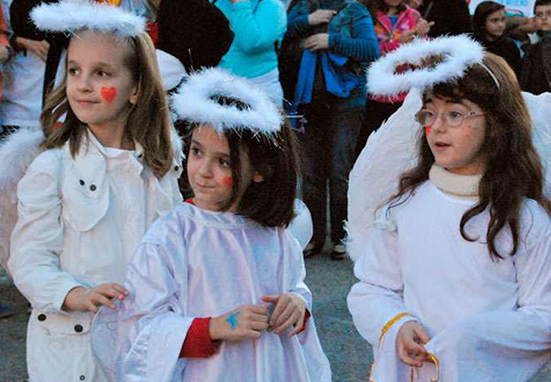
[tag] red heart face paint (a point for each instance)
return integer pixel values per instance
(428, 130)
(108, 94)
(227, 181)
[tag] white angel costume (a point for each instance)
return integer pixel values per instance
(487, 320)
(79, 222)
(199, 263)
(79, 218)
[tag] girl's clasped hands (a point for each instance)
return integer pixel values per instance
(249, 321)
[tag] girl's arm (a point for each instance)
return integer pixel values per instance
(37, 239)
(376, 301)
(363, 45)
(259, 30)
(297, 21)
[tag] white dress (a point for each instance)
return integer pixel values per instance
(79, 222)
(487, 320)
(198, 263)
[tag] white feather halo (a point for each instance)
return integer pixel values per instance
(457, 53)
(73, 15)
(193, 102)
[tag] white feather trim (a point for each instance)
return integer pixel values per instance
(171, 69)
(73, 15)
(16, 154)
(459, 53)
(192, 103)
(538, 106)
(389, 151)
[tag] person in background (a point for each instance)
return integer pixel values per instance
(258, 26)
(395, 24)
(6, 53)
(536, 71)
(450, 17)
(337, 41)
(489, 24)
(22, 80)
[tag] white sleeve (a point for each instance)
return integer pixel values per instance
(142, 340)
(513, 343)
(376, 301)
(37, 239)
(296, 270)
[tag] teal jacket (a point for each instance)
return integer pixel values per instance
(258, 25)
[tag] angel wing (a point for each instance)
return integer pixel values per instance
(539, 107)
(388, 152)
(16, 154)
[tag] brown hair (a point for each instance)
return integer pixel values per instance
(513, 170)
(270, 202)
(148, 120)
(375, 6)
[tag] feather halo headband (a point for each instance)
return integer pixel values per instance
(434, 61)
(71, 16)
(197, 100)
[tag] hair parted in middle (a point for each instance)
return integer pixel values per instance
(148, 120)
(481, 14)
(513, 169)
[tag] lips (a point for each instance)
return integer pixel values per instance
(86, 102)
(441, 146)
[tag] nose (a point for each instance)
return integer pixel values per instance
(84, 84)
(439, 124)
(205, 169)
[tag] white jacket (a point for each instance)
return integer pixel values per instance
(80, 221)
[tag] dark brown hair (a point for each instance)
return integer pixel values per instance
(148, 120)
(513, 169)
(270, 202)
(540, 3)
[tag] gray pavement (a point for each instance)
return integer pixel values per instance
(349, 354)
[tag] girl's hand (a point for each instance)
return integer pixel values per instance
(321, 16)
(407, 36)
(409, 344)
(289, 311)
(317, 42)
(39, 48)
(245, 322)
(89, 300)
(423, 27)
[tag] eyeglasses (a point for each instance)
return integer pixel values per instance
(543, 15)
(450, 118)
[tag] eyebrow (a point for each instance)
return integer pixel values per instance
(219, 153)
(447, 101)
(99, 64)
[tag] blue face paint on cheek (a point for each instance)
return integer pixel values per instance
(232, 320)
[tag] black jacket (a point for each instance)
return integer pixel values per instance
(536, 71)
(451, 17)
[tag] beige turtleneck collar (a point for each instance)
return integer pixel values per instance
(460, 186)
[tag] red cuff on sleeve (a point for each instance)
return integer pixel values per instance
(198, 343)
(305, 321)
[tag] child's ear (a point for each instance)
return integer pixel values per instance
(257, 177)
(134, 97)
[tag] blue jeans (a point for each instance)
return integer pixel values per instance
(329, 145)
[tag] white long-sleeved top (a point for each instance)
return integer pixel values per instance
(79, 222)
(488, 320)
(198, 263)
